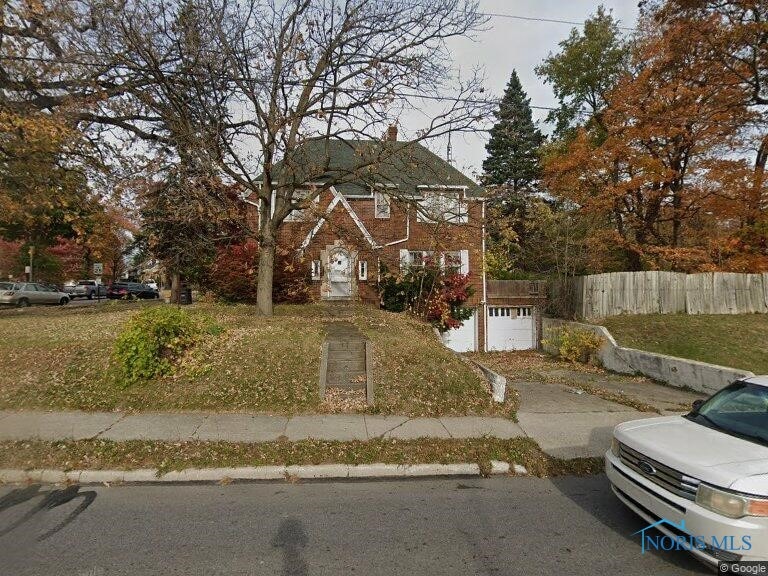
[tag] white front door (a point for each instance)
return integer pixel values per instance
(511, 328)
(463, 338)
(340, 274)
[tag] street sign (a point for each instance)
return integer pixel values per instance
(27, 269)
(98, 269)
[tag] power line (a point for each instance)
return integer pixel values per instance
(548, 20)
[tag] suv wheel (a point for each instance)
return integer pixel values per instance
(23, 303)
(63, 301)
(90, 295)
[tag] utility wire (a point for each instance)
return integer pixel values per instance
(549, 20)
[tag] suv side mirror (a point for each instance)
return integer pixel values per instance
(696, 405)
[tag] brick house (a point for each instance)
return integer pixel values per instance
(411, 207)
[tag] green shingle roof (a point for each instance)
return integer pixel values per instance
(359, 164)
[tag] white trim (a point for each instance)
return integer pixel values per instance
(355, 218)
(464, 257)
(339, 198)
(319, 224)
(484, 303)
(362, 269)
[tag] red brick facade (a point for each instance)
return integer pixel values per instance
(383, 241)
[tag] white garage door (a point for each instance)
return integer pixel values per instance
(462, 339)
(511, 328)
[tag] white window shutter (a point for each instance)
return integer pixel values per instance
(405, 260)
(464, 261)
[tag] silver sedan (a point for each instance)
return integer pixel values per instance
(24, 294)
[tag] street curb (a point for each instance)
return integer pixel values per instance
(308, 472)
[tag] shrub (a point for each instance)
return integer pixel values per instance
(153, 340)
(574, 344)
(428, 292)
(235, 271)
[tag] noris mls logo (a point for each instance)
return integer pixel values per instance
(655, 540)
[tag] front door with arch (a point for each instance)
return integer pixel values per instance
(339, 273)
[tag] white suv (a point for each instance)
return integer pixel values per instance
(701, 478)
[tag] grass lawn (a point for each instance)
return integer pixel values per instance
(416, 375)
(738, 341)
(166, 456)
(60, 358)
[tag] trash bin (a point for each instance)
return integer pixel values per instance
(185, 296)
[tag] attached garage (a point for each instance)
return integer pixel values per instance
(511, 328)
(464, 338)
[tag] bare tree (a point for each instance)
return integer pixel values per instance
(272, 85)
(257, 89)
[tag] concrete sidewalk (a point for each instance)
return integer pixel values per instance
(235, 427)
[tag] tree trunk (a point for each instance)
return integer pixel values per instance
(266, 270)
(175, 288)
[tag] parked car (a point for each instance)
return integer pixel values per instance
(152, 284)
(24, 294)
(127, 290)
(702, 475)
(86, 288)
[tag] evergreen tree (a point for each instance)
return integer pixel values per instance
(513, 149)
(512, 170)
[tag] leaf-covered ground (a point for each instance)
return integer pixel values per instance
(738, 341)
(416, 375)
(166, 456)
(60, 358)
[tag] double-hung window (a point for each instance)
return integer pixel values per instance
(441, 206)
(305, 199)
(414, 259)
(382, 207)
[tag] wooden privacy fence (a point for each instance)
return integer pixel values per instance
(611, 294)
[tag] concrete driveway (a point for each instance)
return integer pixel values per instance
(569, 422)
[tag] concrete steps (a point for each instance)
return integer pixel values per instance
(345, 364)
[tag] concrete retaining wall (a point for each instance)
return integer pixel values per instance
(679, 372)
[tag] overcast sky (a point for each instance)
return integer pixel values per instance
(510, 44)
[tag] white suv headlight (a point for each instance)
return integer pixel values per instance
(730, 504)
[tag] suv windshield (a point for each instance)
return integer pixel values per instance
(740, 409)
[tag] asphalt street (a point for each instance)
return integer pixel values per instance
(439, 526)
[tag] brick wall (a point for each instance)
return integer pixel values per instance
(422, 236)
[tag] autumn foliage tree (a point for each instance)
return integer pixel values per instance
(667, 175)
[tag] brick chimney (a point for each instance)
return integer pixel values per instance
(392, 133)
